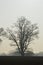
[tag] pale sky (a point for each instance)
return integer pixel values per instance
(10, 10)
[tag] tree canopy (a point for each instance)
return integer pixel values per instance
(23, 33)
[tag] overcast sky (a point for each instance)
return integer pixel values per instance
(10, 10)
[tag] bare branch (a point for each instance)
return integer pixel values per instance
(13, 37)
(26, 32)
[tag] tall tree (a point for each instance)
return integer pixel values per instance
(24, 32)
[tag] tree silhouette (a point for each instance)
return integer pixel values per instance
(23, 33)
(3, 32)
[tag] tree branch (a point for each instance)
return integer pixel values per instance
(13, 37)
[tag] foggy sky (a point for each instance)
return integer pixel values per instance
(10, 10)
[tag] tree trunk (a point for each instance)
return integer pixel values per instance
(22, 53)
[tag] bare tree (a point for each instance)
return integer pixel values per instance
(23, 35)
(1, 30)
(3, 33)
